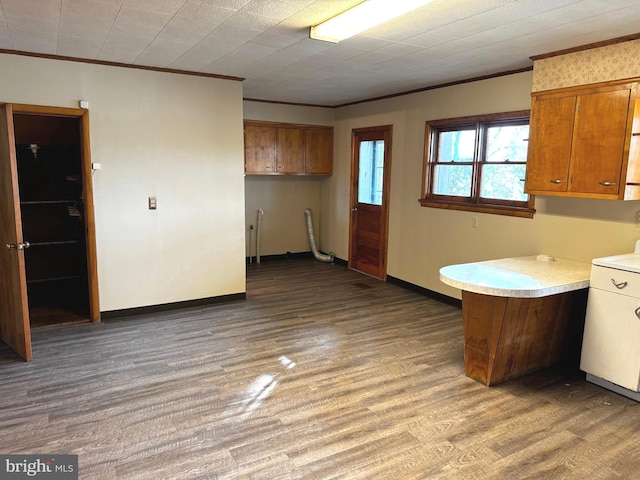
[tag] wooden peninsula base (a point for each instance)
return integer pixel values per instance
(520, 314)
(507, 337)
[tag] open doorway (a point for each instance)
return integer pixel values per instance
(47, 227)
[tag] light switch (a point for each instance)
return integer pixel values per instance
(153, 203)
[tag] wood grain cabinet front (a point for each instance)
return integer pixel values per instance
(318, 158)
(259, 149)
(287, 149)
(583, 142)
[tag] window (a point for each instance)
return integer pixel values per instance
(478, 164)
(371, 171)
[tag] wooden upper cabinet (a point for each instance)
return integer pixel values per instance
(319, 151)
(287, 149)
(290, 150)
(550, 132)
(259, 149)
(581, 143)
(598, 146)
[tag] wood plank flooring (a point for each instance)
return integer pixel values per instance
(322, 373)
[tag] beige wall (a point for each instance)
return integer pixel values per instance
(172, 136)
(422, 240)
(283, 198)
(180, 138)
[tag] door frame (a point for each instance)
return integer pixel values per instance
(387, 132)
(87, 191)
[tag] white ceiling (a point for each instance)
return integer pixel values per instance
(266, 41)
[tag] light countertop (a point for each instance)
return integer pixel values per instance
(629, 262)
(521, 277)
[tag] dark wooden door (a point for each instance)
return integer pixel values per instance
(370, 174)
(14, 310)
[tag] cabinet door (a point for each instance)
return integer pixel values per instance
(319, 151)
(633, 168)
(290, 150)
(550, 137)
(611, 338)
(259, 149)
(598, 142)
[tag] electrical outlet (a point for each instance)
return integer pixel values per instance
(474, 222)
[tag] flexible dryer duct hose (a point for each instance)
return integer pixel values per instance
(312, 239)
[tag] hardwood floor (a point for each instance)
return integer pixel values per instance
(321, 373)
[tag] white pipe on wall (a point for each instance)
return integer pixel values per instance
(258, 221)
(312, 240)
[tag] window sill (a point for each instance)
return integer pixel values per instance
(494, 209)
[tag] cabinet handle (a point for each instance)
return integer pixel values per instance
(607, 184)
(557, 180)
(638, 312)
(620, 285)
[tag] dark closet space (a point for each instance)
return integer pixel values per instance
(49, 165)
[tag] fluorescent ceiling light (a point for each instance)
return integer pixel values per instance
(362, 17)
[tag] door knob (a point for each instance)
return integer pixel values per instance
(17, 246)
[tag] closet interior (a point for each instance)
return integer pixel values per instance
(49, 165)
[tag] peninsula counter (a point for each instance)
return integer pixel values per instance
(519, 314)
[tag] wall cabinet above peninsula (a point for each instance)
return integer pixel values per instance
(585, 142)
(287, 149)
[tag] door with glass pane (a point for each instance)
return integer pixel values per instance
(370, 173)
